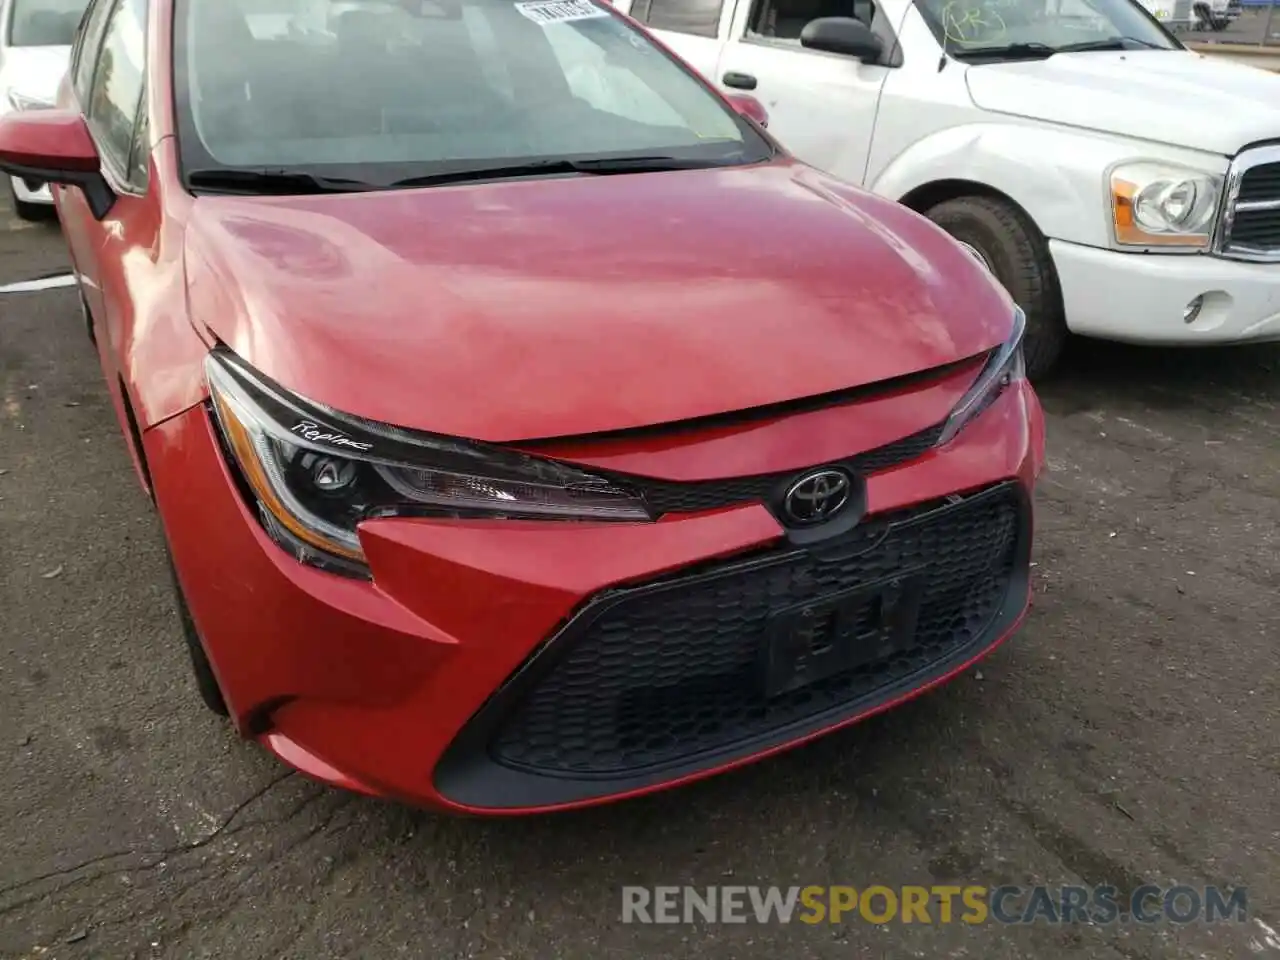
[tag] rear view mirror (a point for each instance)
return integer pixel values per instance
(55, 146)
(843, 35)
(749, 107)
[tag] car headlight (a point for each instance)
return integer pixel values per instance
(1162, 205)
(316, 474)
(20, 101)
(1003, 367)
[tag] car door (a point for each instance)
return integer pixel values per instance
(114, 112)
(822, 106)
(694, 29)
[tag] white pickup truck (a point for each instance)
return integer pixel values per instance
(1119, 185)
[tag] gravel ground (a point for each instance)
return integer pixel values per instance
(1127, 735)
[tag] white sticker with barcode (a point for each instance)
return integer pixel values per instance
(544, 12)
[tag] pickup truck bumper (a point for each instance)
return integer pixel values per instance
(25, 194)
(1149, 298)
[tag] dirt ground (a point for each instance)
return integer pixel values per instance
(1127, 735)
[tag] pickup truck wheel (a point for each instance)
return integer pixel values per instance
(30, 212)
(1001, 237)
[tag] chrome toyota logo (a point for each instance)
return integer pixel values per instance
(817, 497)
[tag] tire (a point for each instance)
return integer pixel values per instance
(1018, 256)
(30, 212)
(1219, 24)
(201, 669)
(206, 682)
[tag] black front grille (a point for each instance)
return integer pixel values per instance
(666, 496)
(657, 675)
(1256, 230)
(1259, 229)
(1260, 183)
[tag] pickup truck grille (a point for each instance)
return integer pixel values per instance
(1250, 225)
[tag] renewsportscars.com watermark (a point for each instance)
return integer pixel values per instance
(973, 904)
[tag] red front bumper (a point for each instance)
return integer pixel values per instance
(373, 686)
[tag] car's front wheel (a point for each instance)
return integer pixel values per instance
(1004, 240)
(206, 682)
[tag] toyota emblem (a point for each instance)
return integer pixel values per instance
(817, 497)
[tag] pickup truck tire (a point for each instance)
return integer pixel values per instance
(1019, 257)
(31, 212)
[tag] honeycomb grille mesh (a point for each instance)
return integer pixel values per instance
(668, 674)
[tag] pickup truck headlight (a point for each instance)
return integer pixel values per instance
(1004, 366)
(1163, 205)
(316, 474)
(20, 101)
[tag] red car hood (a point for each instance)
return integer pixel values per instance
(557, 307)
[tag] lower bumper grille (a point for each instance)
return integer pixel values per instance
(649, 681)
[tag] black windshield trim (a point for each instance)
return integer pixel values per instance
(315, 179)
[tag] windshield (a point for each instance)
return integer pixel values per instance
(385, 90)
(44, 23)
(1030, 28)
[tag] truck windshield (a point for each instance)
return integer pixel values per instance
(44, 23)
(1036, 29)
(389, 92)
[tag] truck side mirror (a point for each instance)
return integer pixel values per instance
(843, 35)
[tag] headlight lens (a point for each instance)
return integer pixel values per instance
(1004, 367)
(1160, 205)
(21, 101)
(316, 473)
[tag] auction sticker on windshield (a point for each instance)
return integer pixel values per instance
(544, 12)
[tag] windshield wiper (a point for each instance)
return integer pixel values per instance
(1034, 50)
(274, 181)
(1007, 51)
(284, 182)
(538, 168)
(1110, 43)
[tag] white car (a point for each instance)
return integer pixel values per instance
(35, 49)
(1119, 185)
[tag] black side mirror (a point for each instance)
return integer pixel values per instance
(844, 35)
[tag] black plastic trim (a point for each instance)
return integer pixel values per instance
(93, 184)
(466, 773)
(691, 496)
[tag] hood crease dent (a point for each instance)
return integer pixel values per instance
(571, 306)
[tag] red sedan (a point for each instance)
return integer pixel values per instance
(526, 427)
